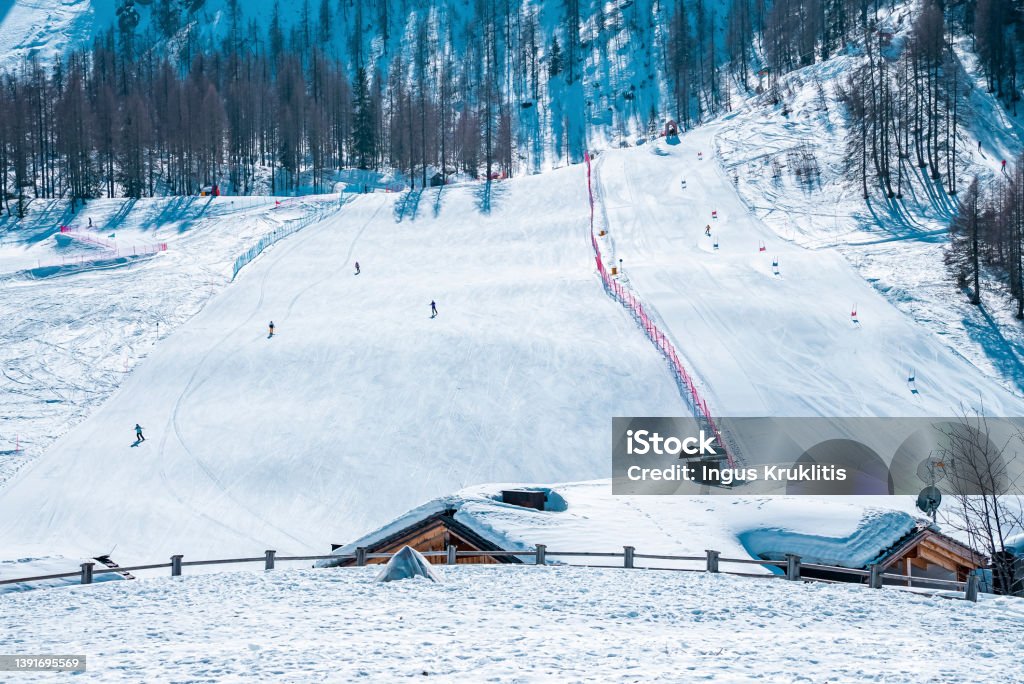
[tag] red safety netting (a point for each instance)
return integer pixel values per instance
(629, 300)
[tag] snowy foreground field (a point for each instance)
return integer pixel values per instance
(515, 624)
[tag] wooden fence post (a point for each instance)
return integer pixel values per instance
(269, 564)
(792, 566)
(876, 576)
(176, 565)
(971, 594)
(542, 551)
(361, 556)
(87, 573)
(451, 554)
(627, 556)
(712, 565)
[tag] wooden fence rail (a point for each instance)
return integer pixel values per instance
(792, 565)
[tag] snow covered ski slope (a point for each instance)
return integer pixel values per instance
(767, 340)
(361, 406)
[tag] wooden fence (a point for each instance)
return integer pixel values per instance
(875, 576)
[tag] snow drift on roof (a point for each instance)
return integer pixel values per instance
(820, 531)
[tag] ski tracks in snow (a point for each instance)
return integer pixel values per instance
(174, 423)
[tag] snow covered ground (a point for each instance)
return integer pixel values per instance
(506, 623)
(896, 245)
(48, 29)
(361, 406)
(765, 344)
(79, 316)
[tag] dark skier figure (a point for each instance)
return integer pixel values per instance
(357, 268)
(433, 309)
(271, 327)
(1004, 166)
(707, 230)
(138, 433)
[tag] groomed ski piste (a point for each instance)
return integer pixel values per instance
(769, 332)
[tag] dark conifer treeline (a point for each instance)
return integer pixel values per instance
(987, 238)
(501, 88)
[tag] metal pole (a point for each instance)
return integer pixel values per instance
(176, 565)
(451, 554)
(361, 556)
(627, 556)
(87, 573)
(542, 550)
(269, 564)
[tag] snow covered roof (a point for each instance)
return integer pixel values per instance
(585, 516)
(50, 565)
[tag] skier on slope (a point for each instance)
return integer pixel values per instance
(138, 433)
(271, 327)
(433, 309)
(357, 268)
(707, 230)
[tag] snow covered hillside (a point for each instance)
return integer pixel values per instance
(50, 28)
(789, 162)
(507, 623)
(767, 344)
(84, 307)
(361, 406)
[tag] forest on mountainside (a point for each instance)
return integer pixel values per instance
(274, 99)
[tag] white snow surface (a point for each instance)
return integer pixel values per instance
(514, 623)
(408, 564)
(896, 245)
(361, 406)
(38, 567)
(80, 317)
(761, 344)
(585, 516)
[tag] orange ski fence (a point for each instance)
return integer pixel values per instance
(630, 301)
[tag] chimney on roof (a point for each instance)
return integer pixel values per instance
(524, 498)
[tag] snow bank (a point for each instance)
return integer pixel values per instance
(407, 564)
(53, 565)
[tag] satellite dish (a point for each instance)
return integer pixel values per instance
(931, 470)
(929, 499)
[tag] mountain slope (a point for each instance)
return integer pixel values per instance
(764, 344)
(361, 406)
